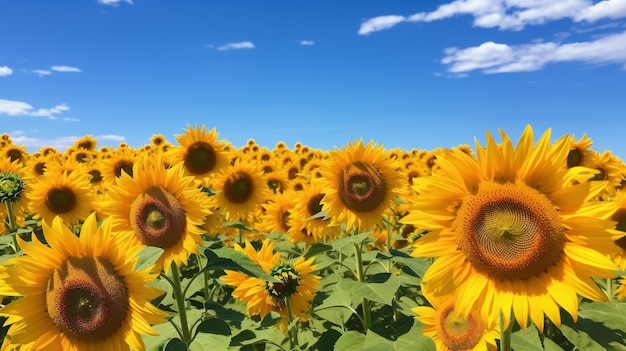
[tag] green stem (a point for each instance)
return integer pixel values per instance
(12, 224)
(180, 302)
(240, 236)
(390, 263)
(293, 333)
(505, 334)
(365, 303)
(609, 289)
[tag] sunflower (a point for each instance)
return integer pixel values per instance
(240, 190)
(158, 207)
(511, 231)
(610, 169)
(13, 178)
(276, 213)
(201, 153)
(79, 293)
(61, 193)
(580, 153)
(359, 183)
(116, 162)
(297, 285)
(453, 332)
(306, 222)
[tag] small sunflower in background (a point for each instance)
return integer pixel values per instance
(116, 162)
(68, 195)
(78, 293)
(13, 179)
(451, 331)
(359, 183)
(306, 221)
(241, 190)
(514, 230)
(580, 153)
(297, 285)
(202, 154)
(158, 207)
(276, 213)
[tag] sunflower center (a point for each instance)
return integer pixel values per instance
(288, 281)
(200, 157)
(157, 218)
(238, 187)
(459, 333)
(509, 231)
(125, 166)
(362, 187)
(87, 299)
(61, 200)
(574, 158)
(314, 205)
(620, 217)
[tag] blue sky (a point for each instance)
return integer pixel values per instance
(407, 74)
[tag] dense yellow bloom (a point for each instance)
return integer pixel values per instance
(297, 285)
(79, 294)
(514, 230)
(158, 207)
(359, 183)
(240, 190)
(452, 332)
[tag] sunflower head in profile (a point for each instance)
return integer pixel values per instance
(452, 332)
(580, 153)
(307, 223)
(241, 190)
(78, 293)
(296, 284)
(359, 183)
(68, 195)
(116, 162)
(158, 207)
(514, 229)
(202, 154)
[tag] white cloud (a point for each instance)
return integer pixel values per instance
(307, 42)
(70, 119)
(498, 58)
(236, 46)
(5, 71)
(379, 23)
(60, 143)
(507, 14)
(19, 108)
(65, 69)
(114, 2)
(42, 72)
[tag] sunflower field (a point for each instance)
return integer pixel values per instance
(198, 245)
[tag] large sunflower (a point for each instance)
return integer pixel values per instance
(240, 190)
(79, 293)
(201, 153)
(297, 284)
(452, 332)
(360, 184)
(511, 232)
(158, 207)
(61, 193)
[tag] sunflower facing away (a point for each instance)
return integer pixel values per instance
(78, 293)
(297, 284)
(452, 332)
(360, 184)
(158, 207)
(511, 233)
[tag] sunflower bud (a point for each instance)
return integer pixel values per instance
(11, 186)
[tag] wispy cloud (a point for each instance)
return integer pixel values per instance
(33, 143)
(65, 69)
(19, 108)
(42, 72)
(498, 58)
(114, 2)
(307, 42)
(5, 71)
(507, 15)
(237, 46)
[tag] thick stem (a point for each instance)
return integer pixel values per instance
(293, 333)
(505, 334)
(180, 303)
(365, 303)
(12, 224)
(609, 289)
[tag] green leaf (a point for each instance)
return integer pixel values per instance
(526, 340)
(271, 319)
(209, 342)
(175, 345)
(350, 341)
(550, 345)
(352, 239)
(213, 326)
(229, 259)
(417, 265)
(224, 313)
(316, 249)
(239, 225)
(148, 256)
(244, 337)
(326, 341)
(381, 289)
